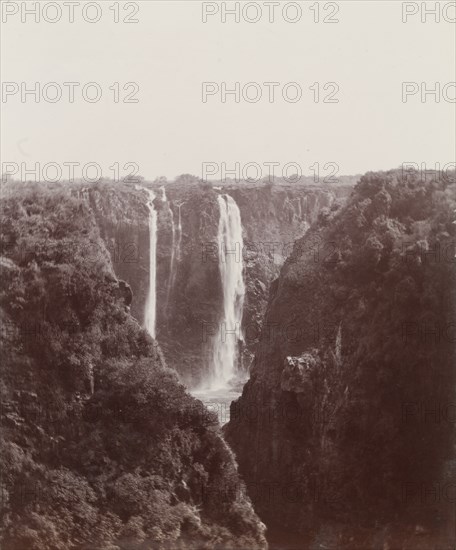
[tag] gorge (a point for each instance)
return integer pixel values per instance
(208, 317)
(322, 314)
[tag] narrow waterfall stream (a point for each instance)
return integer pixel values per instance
(223, 384)
(179, 232)
(175, 252)
(151, 302)
(172, 274)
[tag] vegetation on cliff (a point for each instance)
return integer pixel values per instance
(350, 407)
(102, 447)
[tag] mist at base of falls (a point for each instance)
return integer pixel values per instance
(218, 400)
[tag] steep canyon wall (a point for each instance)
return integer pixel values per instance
(339, 432)
(189, 290)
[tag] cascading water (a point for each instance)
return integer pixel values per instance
(176, 251)
(151, 302)
(172, 274)
(231, 273)
(223, 385)
(179, 232)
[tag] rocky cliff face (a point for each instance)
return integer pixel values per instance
(189, 296)
(345, 432)
(102, 448)
(122, 217)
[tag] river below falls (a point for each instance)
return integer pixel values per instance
(218, 401)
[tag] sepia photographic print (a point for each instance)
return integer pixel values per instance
(228, 275)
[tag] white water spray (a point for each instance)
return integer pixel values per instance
(151, 302)
(231, 267)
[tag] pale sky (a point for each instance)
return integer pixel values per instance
(369, 53)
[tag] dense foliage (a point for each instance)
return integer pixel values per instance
(394, 266)
(102, 447)
(358, 398)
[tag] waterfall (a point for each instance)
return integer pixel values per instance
(231, 266)
(179, 232)
(151, 302)
(171, 276)
(176, 251)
